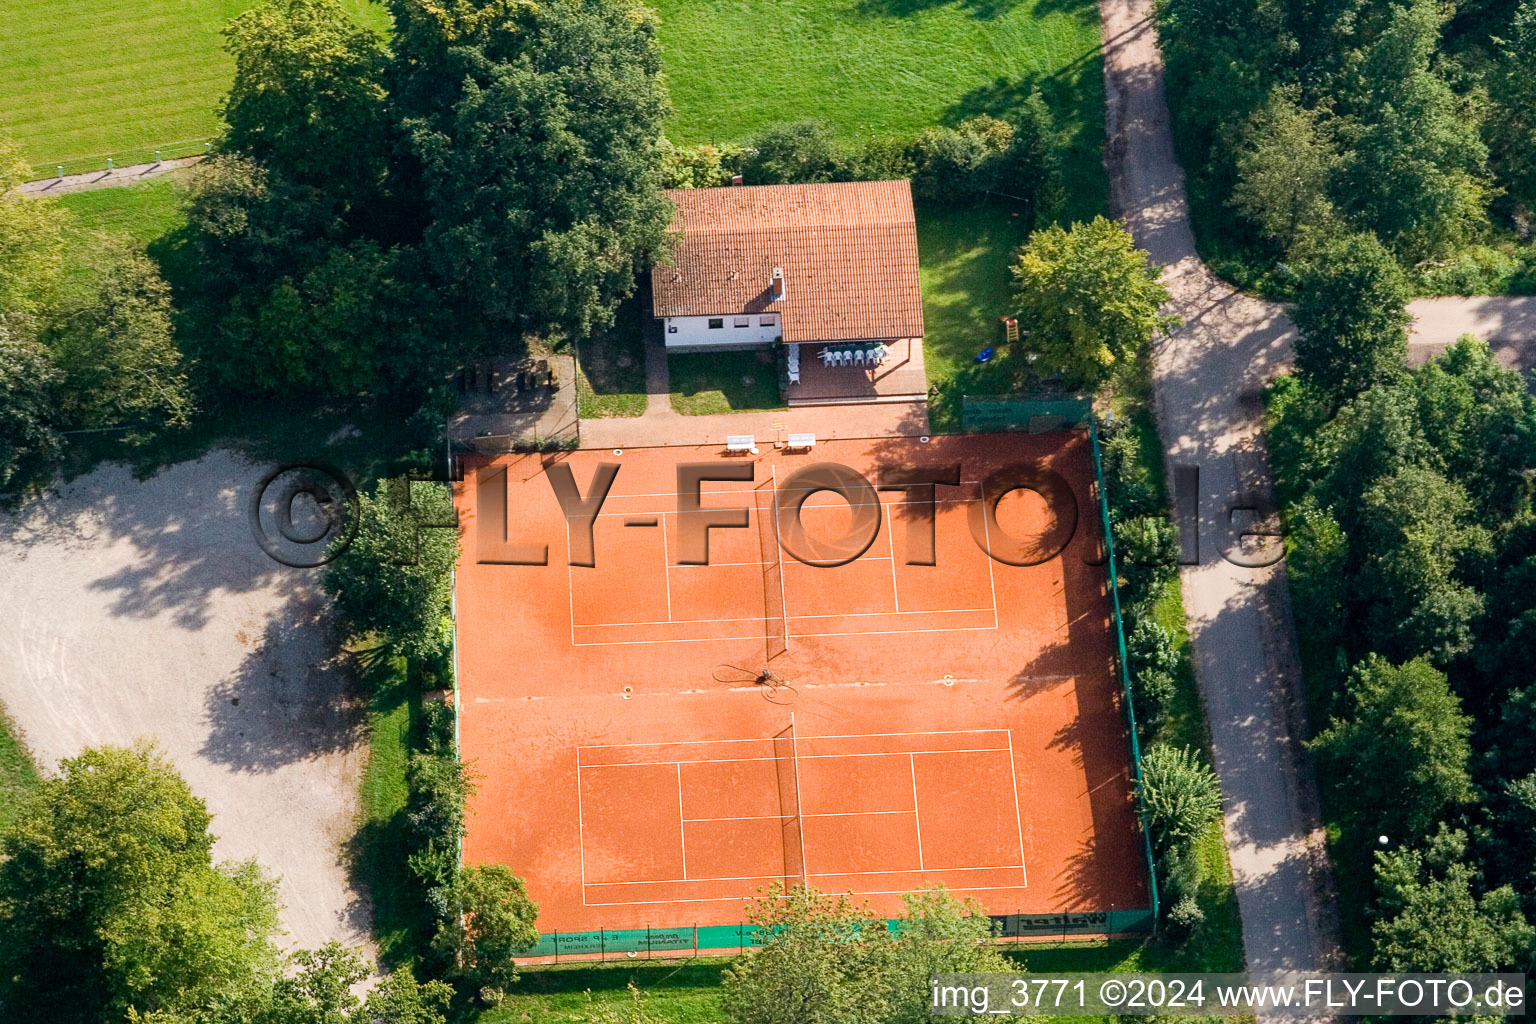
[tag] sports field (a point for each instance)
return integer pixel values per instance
(951, 722)
(83, 81)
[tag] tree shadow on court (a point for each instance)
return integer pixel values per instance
(1049, 669)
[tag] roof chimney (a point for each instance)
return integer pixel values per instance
(777, 284)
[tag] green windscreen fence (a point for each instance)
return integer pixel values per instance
(687, 941)
(1037, 414)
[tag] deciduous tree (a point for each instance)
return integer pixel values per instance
(1284, 163)
(1415, 158)
(494, 921)
(1352, 317)
(1396, 753)
(541, 169)
(114, 346)
(110, 900)
(1429, 917)
(396, 578)
(1088, 297)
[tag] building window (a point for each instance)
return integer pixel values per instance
(767, 321)
(742, 321)
(716, 322)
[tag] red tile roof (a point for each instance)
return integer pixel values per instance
(848, 251)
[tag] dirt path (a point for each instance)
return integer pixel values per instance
(1506, 322)
(144, 608)
(114, 178)
(1207, 378)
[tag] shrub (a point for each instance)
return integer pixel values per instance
(1148, 550)
(1179, 794)
(1152, 647)
(439, 785)
(702, 166)
(799, 152)
(493, 921)
(953, 165)
(1185, 917)
(1154, 692)
(1133, 491)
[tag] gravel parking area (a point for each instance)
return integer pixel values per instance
(145, 608)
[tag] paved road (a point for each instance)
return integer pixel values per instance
(1207, 379)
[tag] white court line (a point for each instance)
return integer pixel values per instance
(780, 817)
(778, 540)
(769, 739)
(987, 532)
(828, 615)
(748, 896)
(813, 874)
(666, 576)
(807, 757)
(682, 838)
(916, 816)
(794, 752)
(1017, 818)
(890, 545)
(581, 828)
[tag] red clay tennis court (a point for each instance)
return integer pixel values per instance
(954, 722)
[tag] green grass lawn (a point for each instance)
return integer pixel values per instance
(380, 847)
(963, 258)
(679, 992)
(137, 214)
(875, 67)
(17, 773)
(83, 81)
(610, 367)
(705, 384)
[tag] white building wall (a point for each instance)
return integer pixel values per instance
(695, 332)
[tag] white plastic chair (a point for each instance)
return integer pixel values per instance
(858, 357)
